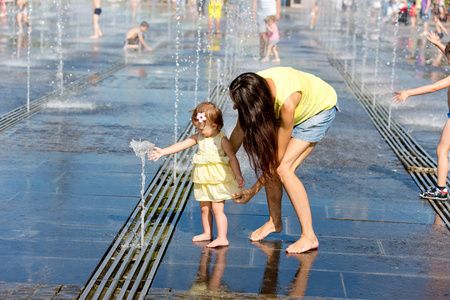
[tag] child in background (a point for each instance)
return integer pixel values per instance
(314, 10)
(216, 174)
(274, 38)
(412, 10)
(22, 13)
(96, 11)
(135, 37)
(440, 191)
(214, 13)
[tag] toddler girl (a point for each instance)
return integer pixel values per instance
(274, 38)
(216, 174)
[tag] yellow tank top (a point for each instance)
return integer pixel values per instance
(317, 95)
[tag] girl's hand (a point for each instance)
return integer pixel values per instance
(156, 154)
(240, 180)
(433, 37)
(400, 96)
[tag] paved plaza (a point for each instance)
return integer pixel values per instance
(69, 180)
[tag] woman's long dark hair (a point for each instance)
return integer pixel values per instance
(256, 113)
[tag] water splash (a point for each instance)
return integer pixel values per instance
(199, 46)
(30, 8)
(177, 74)
(60, 75)
(394, 56)
(377, 56)
(72, 105)
(141, 149)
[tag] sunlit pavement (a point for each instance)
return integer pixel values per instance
(69, 180)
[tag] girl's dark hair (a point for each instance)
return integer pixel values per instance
(447, 49)
(213, 114)
(256, 114)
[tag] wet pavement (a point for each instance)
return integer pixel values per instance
(69, 180)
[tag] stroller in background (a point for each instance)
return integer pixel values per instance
(403, 14)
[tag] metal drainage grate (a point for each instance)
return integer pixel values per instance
(420, 166)
(21, 113)
(127, 270)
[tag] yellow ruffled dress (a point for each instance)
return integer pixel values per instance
(212, 175)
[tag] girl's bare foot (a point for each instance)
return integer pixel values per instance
(303, 244)
(219, 242)
(202, 237)
(265, 230)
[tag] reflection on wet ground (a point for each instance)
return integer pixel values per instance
(69, 181)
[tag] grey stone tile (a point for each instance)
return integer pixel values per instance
(383, 286)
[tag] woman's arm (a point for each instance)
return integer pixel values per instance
(426, 89)
(234, 163)
(287, 113)
(157, 153)
(236, 138)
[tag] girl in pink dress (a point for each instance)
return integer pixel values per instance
(274, 38)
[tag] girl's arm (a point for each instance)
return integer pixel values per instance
(157, 153)
(234, 163)
(426, 89)
(287, 113)
(270, 28)
(434, 39)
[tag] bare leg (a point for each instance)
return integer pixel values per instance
(210, 21)
(425, 27)
(295, 154)
(218, 269)
(262, 43)
(275, 53)
(221, 223)
(217, 25)
(207, 219)
(25, 19)
(313, 22)
(274, 193)
(300, 282)
(97, 31)
(442, 155)
(19, 22)
(269, 51)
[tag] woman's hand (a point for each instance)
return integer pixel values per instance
(243, 197)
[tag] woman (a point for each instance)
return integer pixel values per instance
(282, 114)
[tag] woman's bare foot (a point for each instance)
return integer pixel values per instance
(265, 230)
(202, 237)
(303, 244)
(219, 242)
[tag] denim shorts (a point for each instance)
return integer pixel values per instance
(425, 16)
(313, 129)
(274, 42)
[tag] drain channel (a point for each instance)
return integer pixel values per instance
(21, 113)
(127, 270)
(420, 166)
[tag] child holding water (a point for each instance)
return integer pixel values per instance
(216, 174)
(439, 192)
